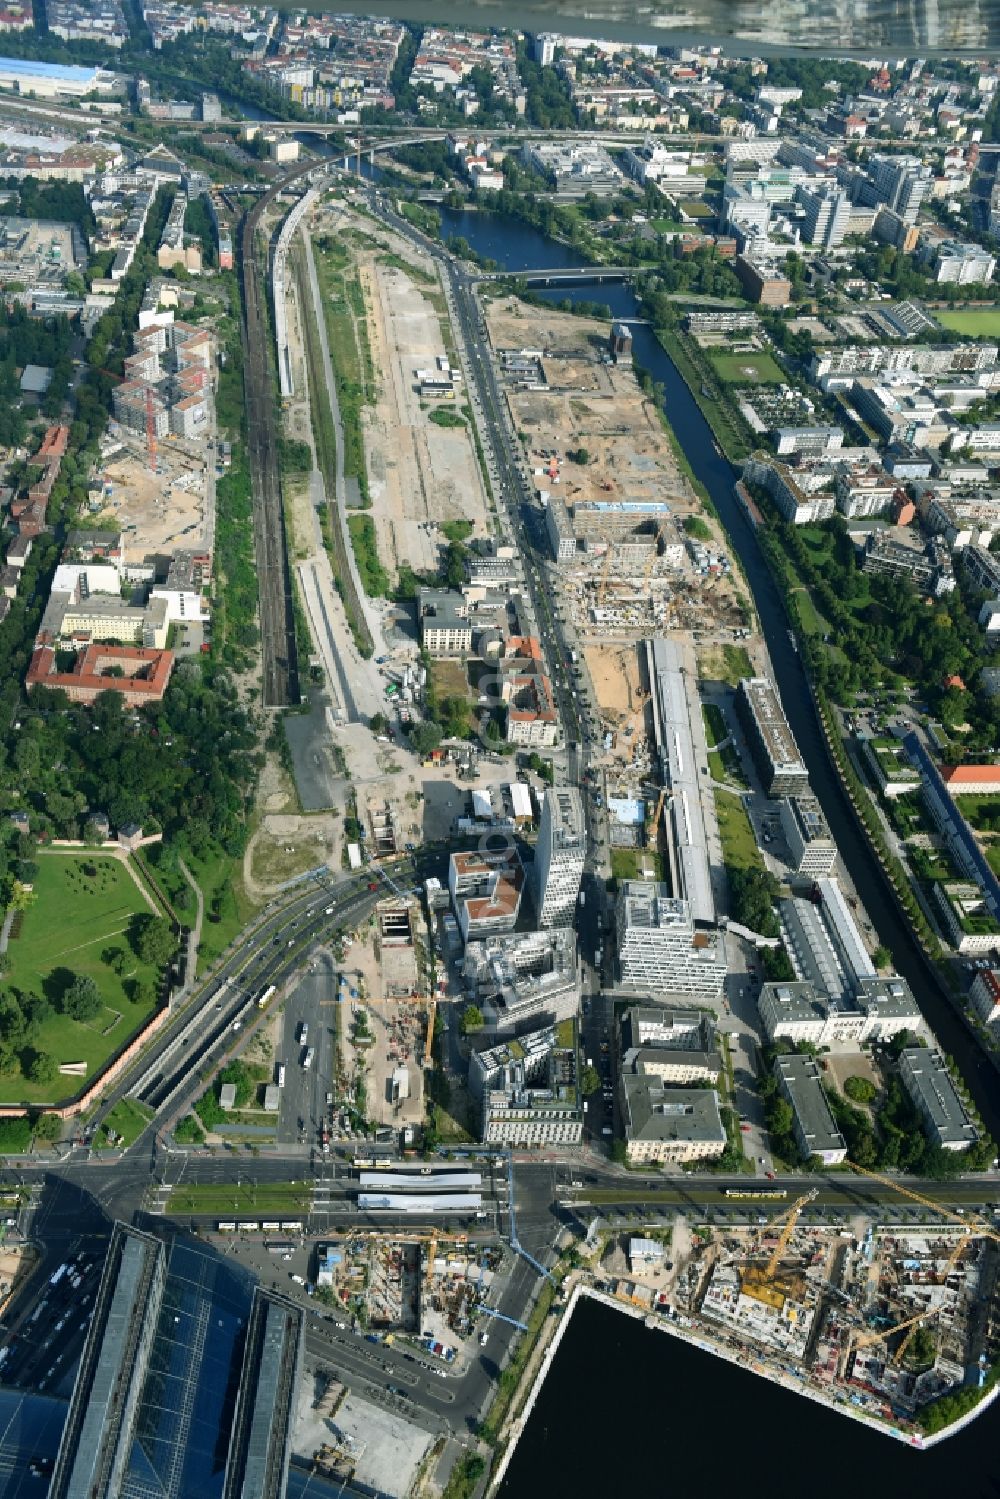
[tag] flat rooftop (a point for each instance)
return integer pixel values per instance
(801, 1081)
(929, 1082)
(673, 709)
(765, 705)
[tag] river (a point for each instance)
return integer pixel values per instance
(517, 246)
(675, 1420)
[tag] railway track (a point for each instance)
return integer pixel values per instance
(279, 659)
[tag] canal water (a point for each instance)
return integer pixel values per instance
(517, 247)
(664, 1418)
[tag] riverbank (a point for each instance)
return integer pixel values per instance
(702, 1338)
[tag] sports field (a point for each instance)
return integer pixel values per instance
(746, 369)
(83, 906)
(973, 322)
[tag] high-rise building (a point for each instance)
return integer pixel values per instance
(661, 948)
(899, 182)
(827, 215)
(562, 844)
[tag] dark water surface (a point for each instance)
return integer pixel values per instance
(627, 1412)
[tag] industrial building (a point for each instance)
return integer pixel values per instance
(669, 1124)
(660, 946)
(272, 1362)
(97, 1438)
(520, 980)
(813, 1125)
(782, 769)
(559, 856)
(927, 1080)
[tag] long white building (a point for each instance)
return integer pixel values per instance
(660, 946)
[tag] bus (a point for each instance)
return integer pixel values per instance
(280, 1246)
(57, 1275)
(268, 994)
(373, 1162)
(227, 1227)
(281, 1074)
(291, 1227)
(755, 1194)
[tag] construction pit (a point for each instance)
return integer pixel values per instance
(156, 512)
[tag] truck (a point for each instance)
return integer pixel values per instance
(303, 1033)
(281, 1074)
(583, 898)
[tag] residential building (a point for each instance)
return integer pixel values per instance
(928, 564)
(811, 442)
(781, 767)
(809, 840)
(838, 366)
(669, 1124)
(445, 627)
(984, 992)
(528, 1092)
(865, 490)
(559, 856)
(894, 772)
(900, 182)
(661, 948)
(959, 837)
(524, 979)
(926, 1079)
(561, 534)
(813, 1126)
(972, 780)
(485, 891)
(87, 21)
(793, 503)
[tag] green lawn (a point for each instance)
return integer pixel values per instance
(746, 369)
(628, 863)
(715, 724)
(128, 1118)
(74, 918)
(696, 208)
(241, 1201)
(668, 226)
(984, 321)
(980, 812)
(227, 909)
(739, 846)
(809, 616)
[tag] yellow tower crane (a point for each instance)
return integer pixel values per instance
(968, 1222)
(953, 1260)
(792, 1217)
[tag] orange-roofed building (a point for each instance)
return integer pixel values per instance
(139, 675)
(972, 780)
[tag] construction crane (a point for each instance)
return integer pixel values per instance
(865, 1339)
(488, 1311)
(969, 1223)
(784, 1237)
(602, 587)
(952, 1261)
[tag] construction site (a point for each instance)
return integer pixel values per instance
(636, 552)
(886, 1319)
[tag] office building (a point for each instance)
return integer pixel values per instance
(984, 993)
(97, 1438)
(660, 946)
(827, 216)
(928, 1082)
(813, 1125)
(781, 767)
(523, 979)
(669, 1124)
(874, 1009)
(559, 856)
(649, 1049)
(810, 843)
(265, 1403)
(445, 627)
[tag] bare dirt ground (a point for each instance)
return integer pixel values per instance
(420, 475)
(286, 843)
(156, 511)
(614, 671)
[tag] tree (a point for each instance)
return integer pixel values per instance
(426, 737)
(156, 942)
(580, 456)
(117, 960)
(47, 1127)
(42, 1068)
(860, 1089)
(590, 1080)
(472, 1019)
(378, 723)
(82, 1000)
(882, 957)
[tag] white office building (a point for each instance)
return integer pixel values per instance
(660, 947)
(559, 856)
